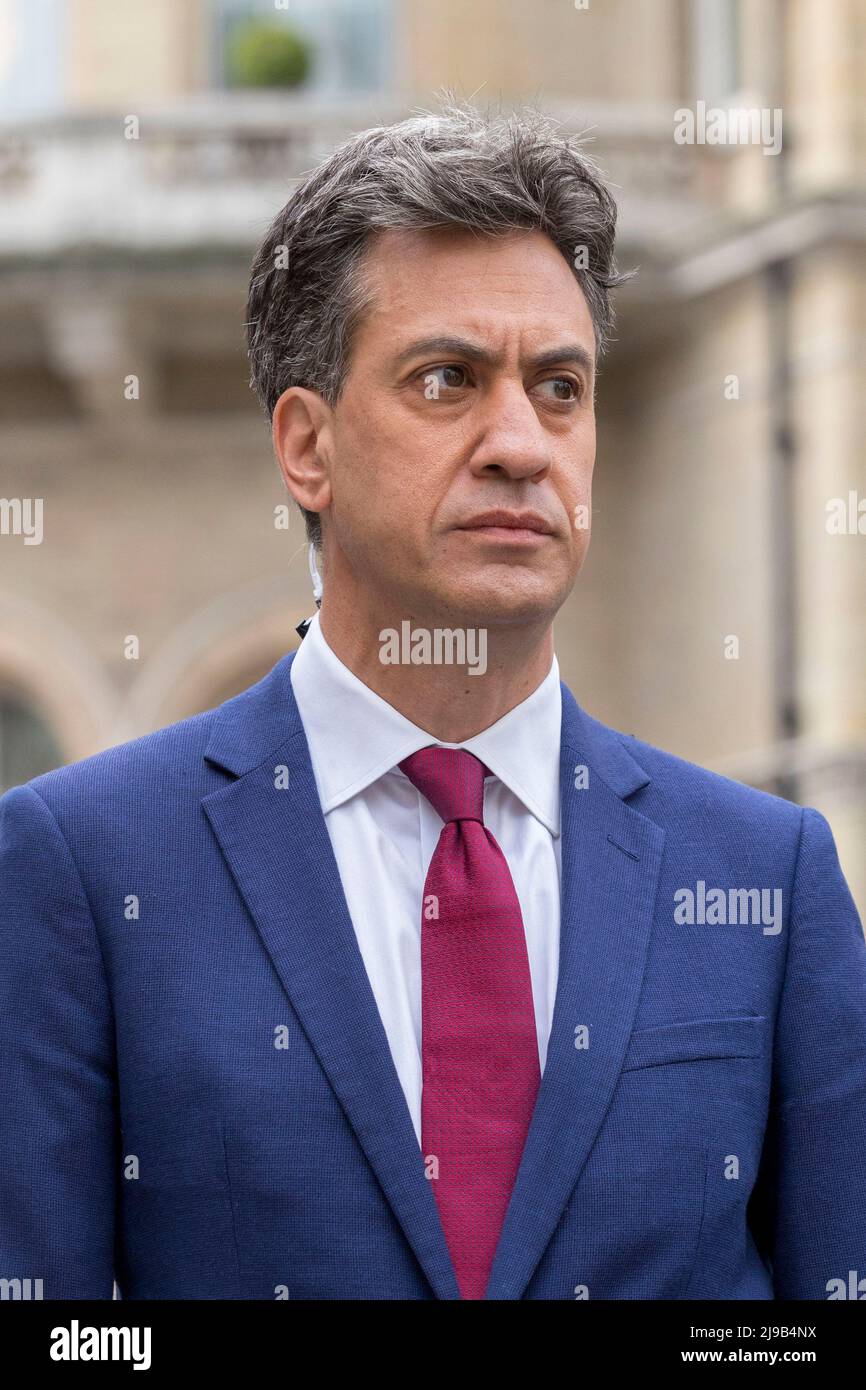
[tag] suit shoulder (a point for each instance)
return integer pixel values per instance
(692, 786)
(166, 756)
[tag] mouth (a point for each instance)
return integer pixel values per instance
(509, 528)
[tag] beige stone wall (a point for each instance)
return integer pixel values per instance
(825, 82)
(130, 52)
(679, 558)
(830, 305)
(166, 535)
(614, 51)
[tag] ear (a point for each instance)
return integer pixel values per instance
(301, 429)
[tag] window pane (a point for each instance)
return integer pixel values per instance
(351, 39)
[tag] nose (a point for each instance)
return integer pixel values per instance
(513, 440)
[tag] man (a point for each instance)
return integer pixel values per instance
(399, 976)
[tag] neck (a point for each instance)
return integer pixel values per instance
(447, 700)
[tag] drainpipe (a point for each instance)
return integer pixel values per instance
(778, 277)
(778, 281)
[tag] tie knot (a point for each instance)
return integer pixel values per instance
(452, 779)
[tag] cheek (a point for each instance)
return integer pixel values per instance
(373, 470)
(407, 484)
(380, 505)
(587, 455)
(575, 477)
(575, 494)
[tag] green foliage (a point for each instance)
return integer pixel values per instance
(263, 54)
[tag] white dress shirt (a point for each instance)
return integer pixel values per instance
(384, 832)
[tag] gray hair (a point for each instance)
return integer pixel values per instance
(489, 174)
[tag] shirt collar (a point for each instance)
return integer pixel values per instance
(355, 736)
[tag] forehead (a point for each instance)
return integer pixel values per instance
(446, 278)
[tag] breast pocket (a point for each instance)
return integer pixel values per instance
(698, 1040)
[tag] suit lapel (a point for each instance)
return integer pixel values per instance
(277, 847)
(611, 855)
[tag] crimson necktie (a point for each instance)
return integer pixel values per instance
(479, 1050)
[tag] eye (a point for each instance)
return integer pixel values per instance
(449, 376)
(563, 388)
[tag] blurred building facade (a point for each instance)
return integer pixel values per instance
(722, 610)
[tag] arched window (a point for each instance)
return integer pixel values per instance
(27, 745)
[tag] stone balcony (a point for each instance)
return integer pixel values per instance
(212, 173)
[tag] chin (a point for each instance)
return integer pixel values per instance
(504, 604)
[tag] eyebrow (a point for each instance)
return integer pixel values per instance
(474, 352)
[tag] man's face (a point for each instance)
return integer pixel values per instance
(469, 391)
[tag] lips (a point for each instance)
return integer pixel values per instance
(508, 521)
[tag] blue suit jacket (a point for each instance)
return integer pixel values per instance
(197, 1095)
